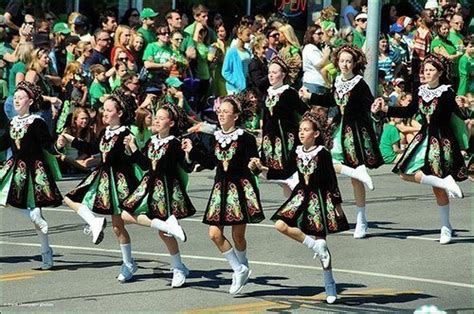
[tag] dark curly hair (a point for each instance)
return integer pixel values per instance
(358, 58)
(240, 106)
(123, 103)
(34, 92)
(441, 64)
(177, 115)
(320, 124)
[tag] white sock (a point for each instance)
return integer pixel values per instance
(242, 256)
(360, 215)
(347, 171)
(233, 260)
(127, 253)
(44, 241)
(86, 214)
(176, 261)
(328, 278)
(159, 225)
(433, 181)
(309, 242)
(444, 215)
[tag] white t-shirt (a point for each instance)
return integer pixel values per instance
(312, 55)
(346, 11)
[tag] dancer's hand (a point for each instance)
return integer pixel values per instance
(462, 101)
(186, 145)
(304, 93)
(61, 142)
(129, 142)
(253, 164)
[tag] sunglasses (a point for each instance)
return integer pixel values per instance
(50, 19)
(123, 59)
(164, 33)
(362, 20)
(319, 33)
(30, 23)
(179, 39)
(274, 35)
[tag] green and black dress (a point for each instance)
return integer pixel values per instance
(162, 191)
(435, 149)
(235, 196)
(311, 206)
(112, 181)
(355, 142)
(27, 180)
(281, 115)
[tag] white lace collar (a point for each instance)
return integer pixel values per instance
(342, 87)
(277, 91)
(306, 157)
(225, 139)
(111, 133)
(157, 142)
(19, 123)
(428, 94)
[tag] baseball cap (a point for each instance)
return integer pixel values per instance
(147, 13)
(398, 81)
(62, 28)
(81, 20)
(173, 82)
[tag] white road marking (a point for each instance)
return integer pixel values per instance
(209, 258)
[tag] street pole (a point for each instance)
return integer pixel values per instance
(372, 44)
(249, 6)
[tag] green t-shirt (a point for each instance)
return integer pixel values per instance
(96, 91)
(140, 138)
(466, 75)
(158, 54)
(455, 38)
(190, 30)
(450, 49)
(187, 42)
(148, 35)
(390, 136)
(202, 68)
(359, 38)
(18, 67)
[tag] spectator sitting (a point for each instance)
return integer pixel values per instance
(390, 142)
(141, 128)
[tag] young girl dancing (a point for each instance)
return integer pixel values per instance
(355, 144)
(26, 179)
(235, 197)
(161, 196)
(110, 183)
(433, 157)
(311, 209)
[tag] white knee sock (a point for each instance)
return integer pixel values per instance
(360, 215)
(44, 241)
(242, 256)
(433, 181)
(309, 242)
(86, 214)
(159, 225)
(328, 277)
(126, 253)
(444, 215)
(176, 261)
(233, 260)
(347, 171)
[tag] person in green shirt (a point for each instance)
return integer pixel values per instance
(201, 15)
(390, 142)
(148, 25)
(141, 129)
(443, 46)
(99, 87)
(466, 68)
(456, 24)
(175, 23)
(359, 31)
(157, 56)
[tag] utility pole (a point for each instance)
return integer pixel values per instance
(372, 44)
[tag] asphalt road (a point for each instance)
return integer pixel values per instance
(399, 267)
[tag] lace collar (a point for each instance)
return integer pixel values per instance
(306, 157)
(342, 87)
(111, 133)
(158, 142)
(19, 123)
(428, 94)
(277, 91)
(225, 139)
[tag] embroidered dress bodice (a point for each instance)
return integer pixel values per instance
(226, 139)
(109, 133)
(428, 99)
(157, 148)
(273, 96)
(343, 90)
(306, 162)
(109, 139)
(19, 127)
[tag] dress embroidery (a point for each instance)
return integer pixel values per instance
(343, 87)
(306, 162)
(157, 149)
(428, 94)
(274, 96)
(225, 156)
(109, 133)
(19, 126)
(225, 139)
